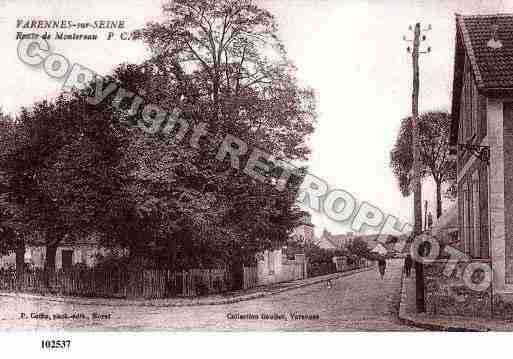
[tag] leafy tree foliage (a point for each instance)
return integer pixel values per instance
(64, 175)
(226, 58)
(222, 64)
(360, 249)
(434, 129)
(8, 238)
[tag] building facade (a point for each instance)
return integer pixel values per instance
(482, 129)
(334, 241)
(85, 252)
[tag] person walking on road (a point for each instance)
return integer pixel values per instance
(382, 265)
(408, 263)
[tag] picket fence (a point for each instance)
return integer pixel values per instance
(250, 277)
(149, 284)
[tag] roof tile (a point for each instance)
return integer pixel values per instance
(495, 66)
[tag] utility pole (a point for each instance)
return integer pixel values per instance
(425, 215)
(417, 187)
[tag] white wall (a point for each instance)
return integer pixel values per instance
(275, 267)
(36, 256)
(495, 135)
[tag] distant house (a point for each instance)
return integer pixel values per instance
(304, 231)
(384, 244)
(334, 241)
(482, 128)
(380, 249)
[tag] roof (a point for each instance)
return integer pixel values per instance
(336, 240)
(492, 67)
(380, 249)
(340, 240)
(376, 244)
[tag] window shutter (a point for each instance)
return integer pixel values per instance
(461, 216)
(470, 218)
(482, 117)
(483, 205)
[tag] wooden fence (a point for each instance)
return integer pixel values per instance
(250, 277)
(149, 284)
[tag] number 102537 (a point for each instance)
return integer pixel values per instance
(55, 344)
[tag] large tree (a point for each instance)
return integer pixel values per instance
(199, 209)
(221, 63)
(434, 129)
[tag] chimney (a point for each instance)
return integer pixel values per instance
(494, 42)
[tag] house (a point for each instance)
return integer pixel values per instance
(84, 251)
(481, 132)
(334, 241)
(281, 265)
(304, 232)
(380, 249)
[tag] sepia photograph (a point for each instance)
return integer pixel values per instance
(255, 166)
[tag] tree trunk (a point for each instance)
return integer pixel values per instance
(215, 88)
(20, 257)
(51, 251)
(53, 239)
(20, 263)
(237, 270)
(172, 255)
(438, 199)
(171, 288)
(137, 250)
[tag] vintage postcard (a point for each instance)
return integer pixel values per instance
(255, 165)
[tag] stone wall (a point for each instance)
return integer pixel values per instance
(449, 295)
(503, 306)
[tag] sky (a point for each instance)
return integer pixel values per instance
(350, 51)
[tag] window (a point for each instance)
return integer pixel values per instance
(465, 220)
(468, 105)
(483, 207)
(471, 216)
(463, 110)
(475, 106)
(476, 250)
(470, 219)
(468, 102)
